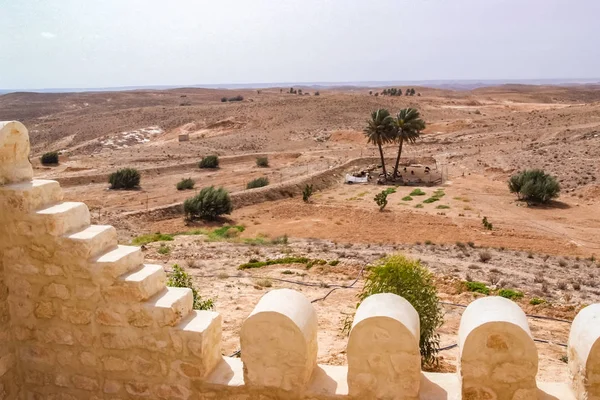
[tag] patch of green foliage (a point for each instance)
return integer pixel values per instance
(164, 249)
(419, 206)
(333, 263)
(125, 178)
(152, 237)
(417, 192)
(407, 198)
(283, 260)
(262, 162)
(180, 278)
(510, 294)
(477, 287)
(534, 185)
(208, 204)
(536, 301)
(381, 198)
(442, 207)
(209, 162)
(431, 200)
(225, 232)
(258, 182)
(409, 279)
(487, 224)
(307, 192)
(49, 158)
(185, 184)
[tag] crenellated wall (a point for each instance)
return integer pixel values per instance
(82, 317)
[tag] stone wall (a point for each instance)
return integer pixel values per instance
(82, 317)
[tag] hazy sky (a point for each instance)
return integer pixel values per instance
(100, 43)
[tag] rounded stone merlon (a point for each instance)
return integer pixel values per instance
(384, 359)
(14, 153)
(584, 352)
(497, 355)
(279, 341)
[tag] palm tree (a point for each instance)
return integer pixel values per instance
(379, 130)
(407, 127)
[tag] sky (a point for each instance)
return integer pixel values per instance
(111, 43)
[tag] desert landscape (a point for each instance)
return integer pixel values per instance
(474, 140)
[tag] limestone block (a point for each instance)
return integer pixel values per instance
(89, 242)
(14, 153)
(279, 341)
(106, 268)
(170, 305)
(498, 358)
(63, 218)
(199, 337)
(584, 353)
(26, 197)
(384, 359)
(137, 286)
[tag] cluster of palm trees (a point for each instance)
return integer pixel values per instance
(383, 128)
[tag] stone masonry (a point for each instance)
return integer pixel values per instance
(82, 317)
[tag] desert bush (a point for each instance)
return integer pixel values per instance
(258, 182)
(185, 184)
(534, 186)
(536, 301)
(381, 198)
(562, 285)
(163, 249)
(409, 279)
(208, 204)
(307, 192)
(485, 256)
(317, 93)
(223, 99)
(181, 279)
(209, 162)
(262, 162)
(126, 178)
(236, 98)
(417, 192)
(510, 294)
(407, 198)
(487, 224)
(477, 287)
(49, 158)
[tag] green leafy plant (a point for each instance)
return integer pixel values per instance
(442, 207)
(477, 287)
(164, 249)
(179, 278)
(209, 162)
(186, 184)
(381, 198)
(49, 158)
(409, 279)
(125, 178)
(307, 192)
(534, 185)
(419, 206)
(407, 198)
(262, 162)
(210, 203)
(333, 263)
(536, 301)
(417, 192)
(258, 182)
(153, 237)
(510, 294)
(431, 200)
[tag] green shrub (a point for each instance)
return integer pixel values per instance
(477, 287)
(150, 238)
(209, 162)
(49, 158)
(510, 294)
(417, 192)
(431, 200)
(487, 224)
(333, 263)
(164, 249)
(307, 192)
(407, 198)
(208, 204)
(419, 206)
(442, 207)
(126, 178)
(180, 278)
(534, 185)
(381, 198)
(409, 279)
(253, 263)
(536, 301)
(258, 182)
(185, 184)
(262, 162)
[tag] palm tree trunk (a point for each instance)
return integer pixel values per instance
(398, 158)
(382, 160)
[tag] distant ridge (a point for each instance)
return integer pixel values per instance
(437, 84)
